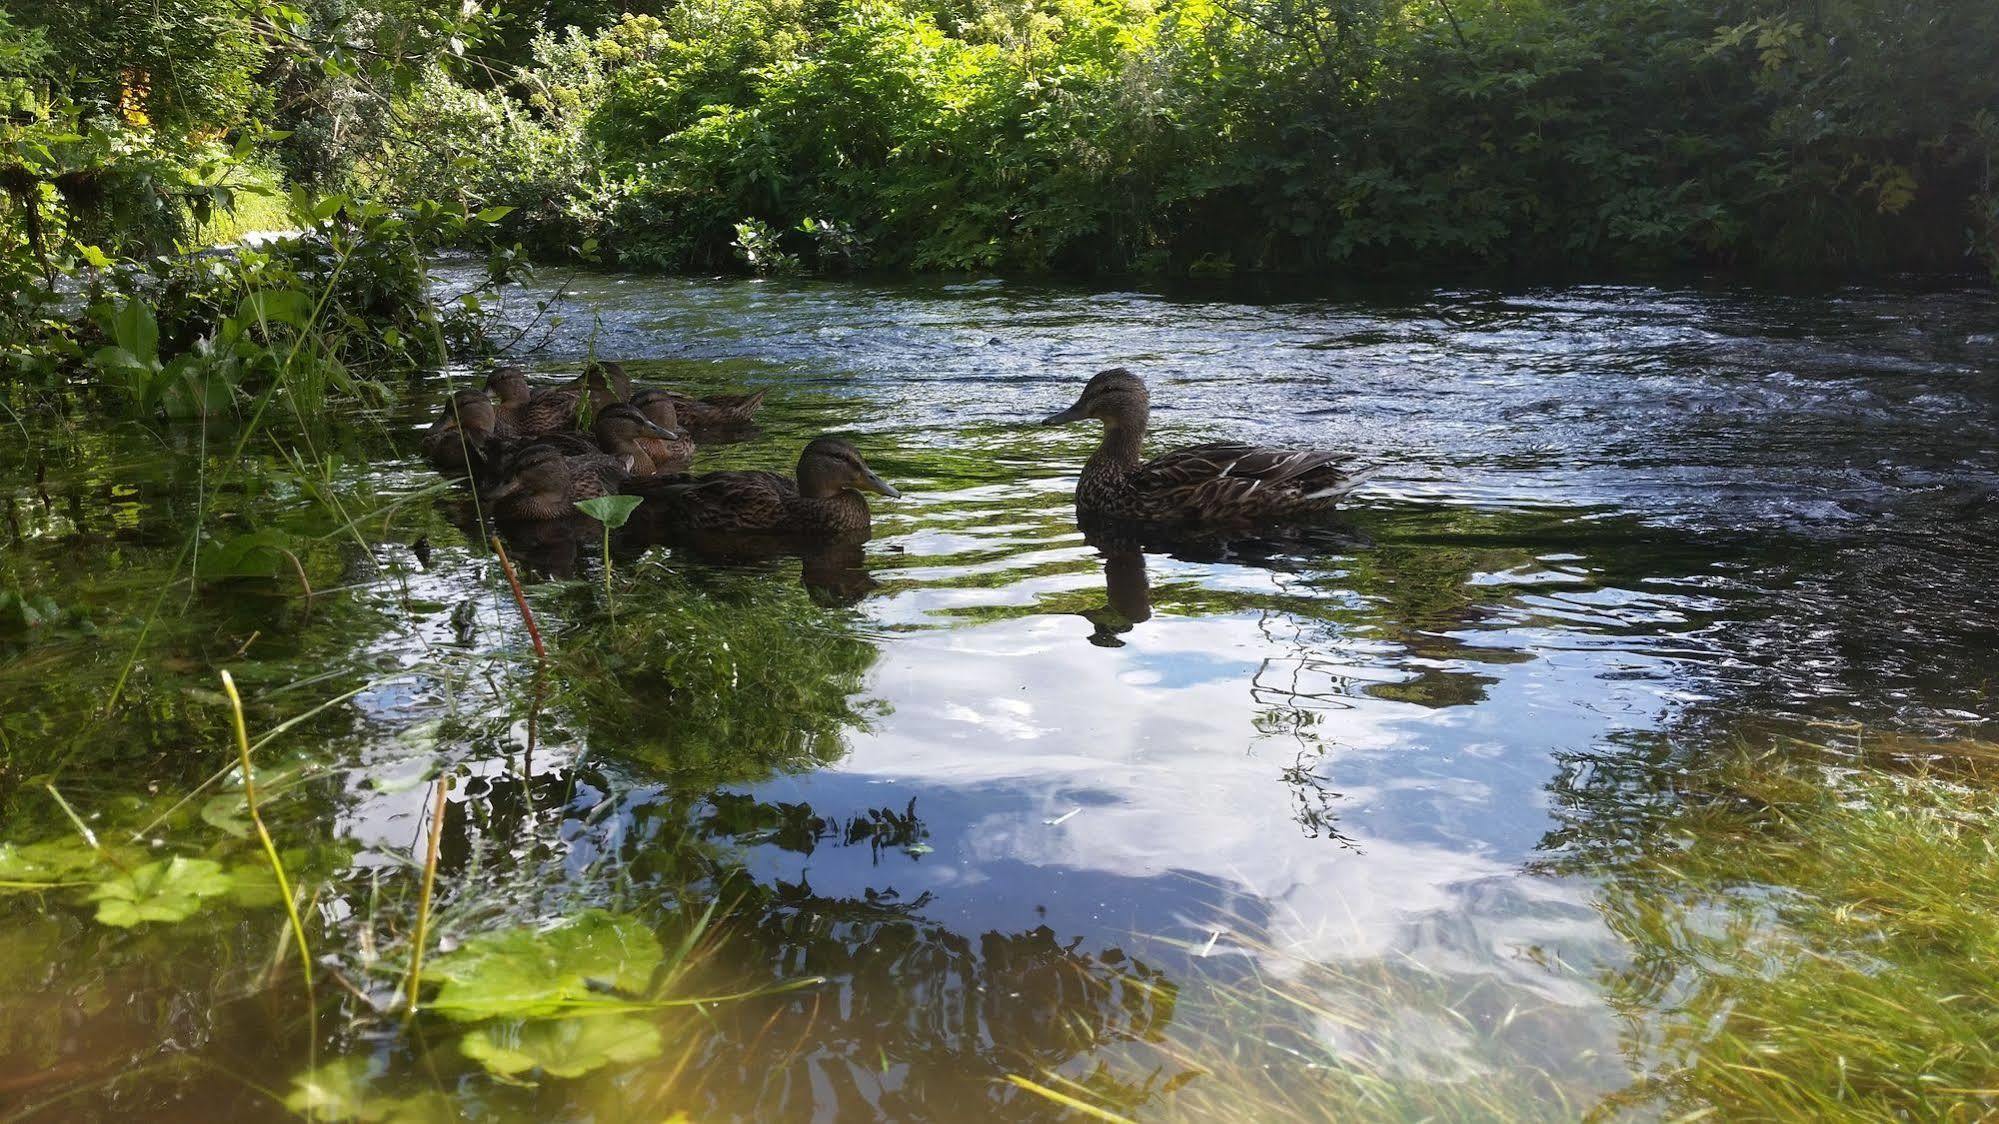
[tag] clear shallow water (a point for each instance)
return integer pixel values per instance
(1022, 800)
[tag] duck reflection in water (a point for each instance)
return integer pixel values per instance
(1123, 545)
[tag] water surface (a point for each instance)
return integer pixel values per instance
(1024, 800)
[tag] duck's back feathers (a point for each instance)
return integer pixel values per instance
(720, 501)
(715, 411)
(1227, 481)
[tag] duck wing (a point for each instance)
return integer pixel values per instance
(720, 501)
(548, 411)
(599, 474)
(1232, 480)
(715, 410)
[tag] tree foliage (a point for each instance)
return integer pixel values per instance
(1254, 134)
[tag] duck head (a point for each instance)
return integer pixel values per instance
(539, 472)
(1115, 397)
(607, 383)
(617, 426)
(510, 385)
(829, 466)
(473, 409)
(657, 405)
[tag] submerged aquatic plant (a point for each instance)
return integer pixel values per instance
(1823, 944)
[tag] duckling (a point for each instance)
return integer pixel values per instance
(824, 502)
(544, 483)
(668, 454)
(467, 435)
(535, 413)
(1223, 483)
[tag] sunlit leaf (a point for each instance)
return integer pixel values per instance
(50, 861)
(227, 812)
(133, 326)
(562, 1047)
(335, 1091)
(168, 890)
(281, 306)
(527, 971)
(611, 511)
(254, 554)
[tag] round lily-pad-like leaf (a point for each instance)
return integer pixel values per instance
(168, 890)
(611, 511)
(341, 1090)
(53, 861)
(562, 1047)
(337, 1090)
(528, 971)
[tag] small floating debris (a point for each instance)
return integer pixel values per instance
(1064, 817)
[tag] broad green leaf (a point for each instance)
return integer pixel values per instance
(493, 214)
(562, 1047)
(254, 554)
(168, 890)
(228, 812)
(526, 971)
(611, 511)
(282, 306)
(97, 258)
(133, 326)
(50, 861)
(337, 1090)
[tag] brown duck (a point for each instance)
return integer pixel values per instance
(1223, 483)
(622, 431)
(670, 453)
(715, 411)
(544, 483)
(536, 413)
(467, 435)
(824, 502)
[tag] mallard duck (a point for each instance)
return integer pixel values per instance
(543, 482)
(668, 454)
(622, 431)
(824, 502)
(534, 413)
(467, 435)
(712, 412)
(1223, 483)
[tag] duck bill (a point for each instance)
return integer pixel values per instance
(663, 432)
(503, 491)
(1072, 414)
(872, 483)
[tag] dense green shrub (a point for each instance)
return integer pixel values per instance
(1260, 134)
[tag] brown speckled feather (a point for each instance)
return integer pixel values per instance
(666, 456)
(715, 411)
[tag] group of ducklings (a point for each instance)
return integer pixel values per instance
(524, 448)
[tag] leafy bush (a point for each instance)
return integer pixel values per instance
(1267, 134)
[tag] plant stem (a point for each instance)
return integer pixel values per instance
(521, 600)
(429, 886)
(264, 835)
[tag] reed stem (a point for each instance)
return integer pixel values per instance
(429, 887)
(520, 599)
(264, 835)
